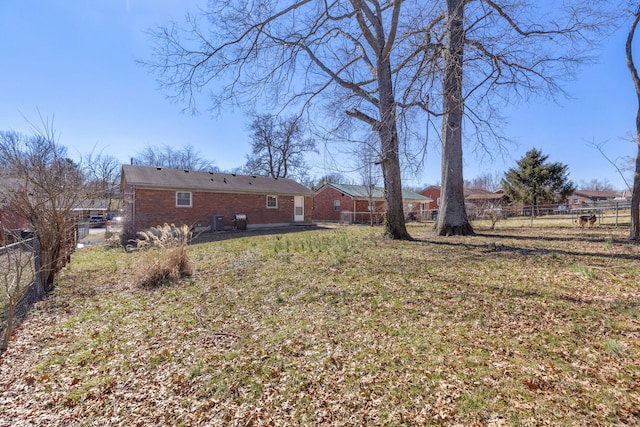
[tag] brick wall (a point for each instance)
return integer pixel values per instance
(155, 207)
(323, 205)
(11, 222)
(434, 193)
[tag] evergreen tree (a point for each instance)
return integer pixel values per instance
(535, 180)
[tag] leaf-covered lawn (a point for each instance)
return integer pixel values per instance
(339, 327)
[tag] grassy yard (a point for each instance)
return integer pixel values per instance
(338, 327)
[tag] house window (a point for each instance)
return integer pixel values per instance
(272, 202)
(183, 199)
(438, 202)
(423, 208)
(372, 206)
(574, 201)
(336, 205)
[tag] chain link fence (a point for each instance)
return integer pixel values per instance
(609, 213)
(32, 292)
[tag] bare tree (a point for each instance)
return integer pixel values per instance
(186, 157)
(622, 165)
(492, 211)
(354, 55)
(278, 147)
(376, 61)
(369, 169)
(102, 172)
(332, 178)
(46, 187)
(452, 218)
(596, 185)
(487, 181)
(495, 50)
(634, 232)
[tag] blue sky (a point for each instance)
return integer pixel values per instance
(75, 61)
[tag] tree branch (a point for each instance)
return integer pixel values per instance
(375, 124)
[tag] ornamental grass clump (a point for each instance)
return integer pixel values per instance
(161, 237)
(166, 260)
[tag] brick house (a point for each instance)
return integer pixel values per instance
(432, 192)
(481, 203)
(11, 222)
(475, 198)
(582, 198)
(471, 195)
(153, 196)
(480, 197)
(332, 200)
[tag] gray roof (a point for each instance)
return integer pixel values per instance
(362, 192)
(178, 179)
(92, 205)
(597, 194)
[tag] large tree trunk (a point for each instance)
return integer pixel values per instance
(634, 232)
(452, 218)
(394, 224)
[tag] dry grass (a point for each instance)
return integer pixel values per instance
(161, 237)
(167, 260)
(162, 268)
(340, 327)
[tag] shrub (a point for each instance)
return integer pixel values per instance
(161, 237)
(167, 260)
(113, 241)
(164, 267)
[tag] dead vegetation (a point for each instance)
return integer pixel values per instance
(166, 260)
(340, 328)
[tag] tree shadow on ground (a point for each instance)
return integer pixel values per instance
(584, 237)
(494, 247)
(573, 299)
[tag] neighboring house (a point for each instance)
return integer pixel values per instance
(11, 223)
(583, 198)
(474, 196)
(154, 196)
(480, 197)
(89, 207)
(331, 200)
(482, 203)
(432, 192)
